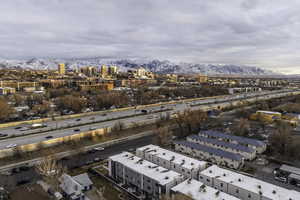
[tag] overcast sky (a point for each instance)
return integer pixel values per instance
(251, 32)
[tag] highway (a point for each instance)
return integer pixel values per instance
(30, 175)
(127, 117)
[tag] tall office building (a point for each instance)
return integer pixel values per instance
(104, 70)
(61, 68)
(113, 70)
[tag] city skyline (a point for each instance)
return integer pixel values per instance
(255, 33)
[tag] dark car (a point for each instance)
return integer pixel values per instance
(49, 137)
(144, 111)
(77, 129)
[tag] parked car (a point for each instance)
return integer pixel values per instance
(49, 137)
(99, 149)
(78, 120)
(3, 135)
(77, 129)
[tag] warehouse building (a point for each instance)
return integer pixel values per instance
(182, 164)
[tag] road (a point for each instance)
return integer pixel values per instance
(128, 117)
(30, 175)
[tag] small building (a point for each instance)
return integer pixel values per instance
(182, 164)
(74, 187)
(213, 155)
(267, 116)
(196, 190)
(7, 90)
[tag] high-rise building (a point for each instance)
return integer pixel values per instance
(141, 72)
(104, 70)
(89, 70)
(201, 78)
(113, 70)
(61, 68)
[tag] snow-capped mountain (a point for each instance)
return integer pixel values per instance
(157, 66)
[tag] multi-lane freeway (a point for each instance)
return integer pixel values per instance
(67, 127)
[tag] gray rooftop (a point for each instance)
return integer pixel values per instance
(217, 152)
(239, 139)
(224, 144)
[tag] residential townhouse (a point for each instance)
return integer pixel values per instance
(179, 163)
(247, 152)
(143, 176)
(244, 187)
(211, 154)
(196, 190)
(258, 145)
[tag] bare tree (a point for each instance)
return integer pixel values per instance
(50, 170)
(241, 127)
(190, 121)
(281, 138)
(163, 135)
(100, 192)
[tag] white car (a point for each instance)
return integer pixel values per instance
(99, 149)
(11, 145)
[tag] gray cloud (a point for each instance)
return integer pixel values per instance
(251, 32)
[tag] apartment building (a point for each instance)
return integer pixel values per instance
(211, 154)
(258, 145)
(244, 187)
(196, 190)
(143, 176)
(179, 163)
(247, 152)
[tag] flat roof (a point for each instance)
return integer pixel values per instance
(151, 170)
(198, 191)
(290, 169)
(245, 140)
(251, 184)
(222, 143)
(268, 112)
(217, 152)
(176, 158)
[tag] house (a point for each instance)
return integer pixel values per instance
(189, 167)
(84, 181)
(142, 176)
(247, 152)
(196, 190)
(244, 187)
(74, 187)
(211, 154)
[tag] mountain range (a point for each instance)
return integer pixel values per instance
(157, 66)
